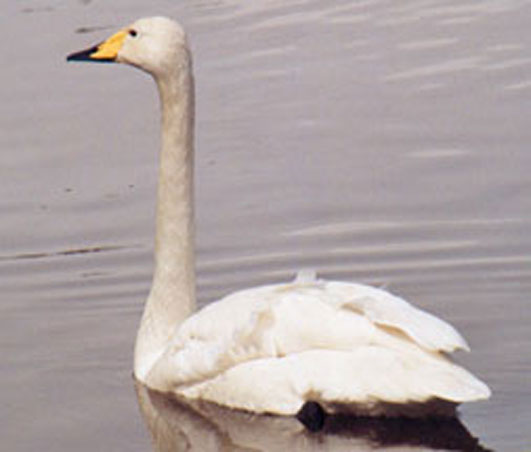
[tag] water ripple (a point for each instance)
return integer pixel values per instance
(69, 252)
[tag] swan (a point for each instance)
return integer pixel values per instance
(305, 346)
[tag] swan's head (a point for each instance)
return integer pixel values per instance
(156, 45)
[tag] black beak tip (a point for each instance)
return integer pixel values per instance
(85, 55)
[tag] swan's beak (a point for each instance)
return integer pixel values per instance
(104, 52)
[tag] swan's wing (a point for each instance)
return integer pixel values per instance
(281, 320)
(268, 321)
(278, 320)
(384, 308)
(301, 305)
(370, 380)
(210, 342)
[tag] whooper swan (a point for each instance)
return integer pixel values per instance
(326, 345)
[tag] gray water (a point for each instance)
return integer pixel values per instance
(375, 141)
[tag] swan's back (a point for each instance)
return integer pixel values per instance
(350, 347)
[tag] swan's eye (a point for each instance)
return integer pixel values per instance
(133, 33)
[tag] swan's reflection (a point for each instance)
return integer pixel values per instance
(178, 425)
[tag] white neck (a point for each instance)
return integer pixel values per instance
(172, 296)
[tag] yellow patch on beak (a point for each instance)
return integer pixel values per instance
(108, 50)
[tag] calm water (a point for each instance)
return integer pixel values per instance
(378, 141)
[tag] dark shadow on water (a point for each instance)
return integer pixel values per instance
(178, 425)
(434, 433)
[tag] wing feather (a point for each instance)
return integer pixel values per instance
(384, 308)
(283, 320)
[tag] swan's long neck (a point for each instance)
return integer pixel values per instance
(172, 296)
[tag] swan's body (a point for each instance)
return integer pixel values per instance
(270, 349)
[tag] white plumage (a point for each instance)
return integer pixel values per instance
(348, 347)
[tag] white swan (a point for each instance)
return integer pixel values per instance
(348, 347)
